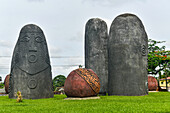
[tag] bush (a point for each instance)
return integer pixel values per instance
(1, 85)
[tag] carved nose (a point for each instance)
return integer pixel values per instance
(32, 49)
(32, 45)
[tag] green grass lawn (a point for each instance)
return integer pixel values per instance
(154, 102)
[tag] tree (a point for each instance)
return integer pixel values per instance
(1, 85)
(58, 81)
(158, 58)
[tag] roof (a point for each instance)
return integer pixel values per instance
(168, 78)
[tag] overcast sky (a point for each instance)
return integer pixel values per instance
(63, 23)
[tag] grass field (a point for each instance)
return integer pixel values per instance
(154, 102)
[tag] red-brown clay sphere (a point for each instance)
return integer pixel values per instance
(152, 83)
(6, 82)
(82, 82)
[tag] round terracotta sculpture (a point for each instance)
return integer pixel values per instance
(6, 83)
(82, 83)
(152, 83)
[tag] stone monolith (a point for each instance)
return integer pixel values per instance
(127, 57)
(30, 67)
(96, 56)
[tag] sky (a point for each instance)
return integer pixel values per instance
(63, 23)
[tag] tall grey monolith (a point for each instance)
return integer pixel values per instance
(127, 56)
(30, 66)
(96, 56)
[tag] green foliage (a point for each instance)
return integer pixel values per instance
(1, 85)
(80, 66)
(58, 81)
(158, 58)
(154, 102)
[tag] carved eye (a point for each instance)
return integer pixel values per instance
(143, 50)
(38, 39)
(25, 39)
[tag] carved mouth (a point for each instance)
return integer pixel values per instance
(32, 58)
(32, 50)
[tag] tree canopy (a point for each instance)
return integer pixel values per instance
(158, 58)
(58, 81)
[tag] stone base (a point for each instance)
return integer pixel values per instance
(84, 98)
(152, 91)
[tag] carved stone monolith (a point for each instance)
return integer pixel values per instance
(127, 57)
(96, 56)
(30, 66)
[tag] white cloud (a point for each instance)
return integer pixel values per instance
(62, 71)
(36, 0)
(78, 37)
(5, 51)
(111, 3)
(54, 50)
(74, 61)
(4, 66)
(63, 22)
(168, 45)
(6, 43)
(6, 48)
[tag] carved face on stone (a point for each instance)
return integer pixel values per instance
(31, 53)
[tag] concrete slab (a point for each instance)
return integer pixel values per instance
(84, 98)
(153, 91)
